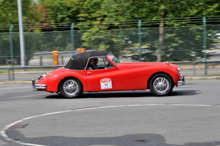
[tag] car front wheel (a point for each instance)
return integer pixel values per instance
(70, 88)
(161, 84)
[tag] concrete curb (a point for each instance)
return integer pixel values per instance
(34, 72)
(186, 78)
(16, 82)
(202, 78)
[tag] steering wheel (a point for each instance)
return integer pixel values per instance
(109, 64)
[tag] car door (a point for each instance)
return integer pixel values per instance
(130, 79)
(102, 79)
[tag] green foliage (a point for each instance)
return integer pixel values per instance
(180, 43)
(9, 13)
(31, 45)
(103, 16)
(8, 16)
(177, 44)
(62, 11)
(113, 41)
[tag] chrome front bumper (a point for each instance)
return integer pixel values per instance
(38, 86)
(182, 80)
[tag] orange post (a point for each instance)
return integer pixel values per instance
(81, 50)
(55, 57)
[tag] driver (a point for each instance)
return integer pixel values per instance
(93, 64)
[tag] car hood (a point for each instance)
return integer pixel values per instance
(143, 64)
(57, 71)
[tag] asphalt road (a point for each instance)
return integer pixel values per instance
(189, 117)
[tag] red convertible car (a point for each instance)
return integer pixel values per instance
(101, 71)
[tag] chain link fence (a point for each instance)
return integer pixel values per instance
(174, 44)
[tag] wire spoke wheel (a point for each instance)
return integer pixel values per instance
(161, 84)
(70, 88)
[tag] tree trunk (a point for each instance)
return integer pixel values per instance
(161, 35)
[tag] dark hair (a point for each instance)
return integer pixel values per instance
(95, 60)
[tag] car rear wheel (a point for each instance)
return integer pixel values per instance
(70, 88)
(161, 84)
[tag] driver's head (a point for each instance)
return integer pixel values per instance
(92, 61)
(96, 60)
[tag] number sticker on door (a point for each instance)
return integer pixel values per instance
(106, 83)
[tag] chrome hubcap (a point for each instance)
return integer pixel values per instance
(70, 87)
(161, 85)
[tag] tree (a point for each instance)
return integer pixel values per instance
(108, 40)
(180, 43)
(9, 13)
(99, 17)
(159, 9)
(62, 11)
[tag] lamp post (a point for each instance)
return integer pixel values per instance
(21, 34)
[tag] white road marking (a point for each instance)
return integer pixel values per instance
(6, 137)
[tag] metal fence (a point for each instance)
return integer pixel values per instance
(178, 45)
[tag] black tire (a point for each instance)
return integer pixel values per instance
(161, 85)
(70, 88)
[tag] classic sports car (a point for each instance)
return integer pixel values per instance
(101, 71)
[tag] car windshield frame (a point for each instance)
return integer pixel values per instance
(113, 59)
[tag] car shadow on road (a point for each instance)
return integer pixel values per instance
(119, 94)
(185, 92)
(125, 140)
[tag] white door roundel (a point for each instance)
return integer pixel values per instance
(106, 83)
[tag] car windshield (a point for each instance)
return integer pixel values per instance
(113, 59)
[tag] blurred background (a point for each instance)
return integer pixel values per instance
(185, 32)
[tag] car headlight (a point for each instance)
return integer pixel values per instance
(41, 76)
